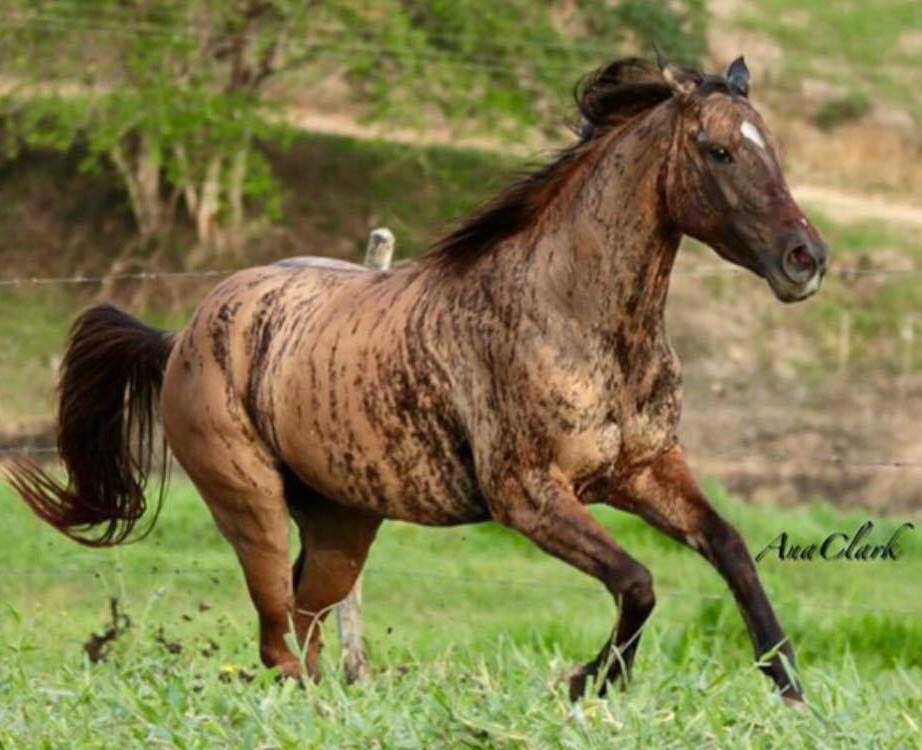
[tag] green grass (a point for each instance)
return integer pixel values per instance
(34, 321)
(34, 327)
(863, 47)
(468, 631)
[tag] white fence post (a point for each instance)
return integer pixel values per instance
(378, 256)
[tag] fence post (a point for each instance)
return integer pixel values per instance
(378, 256)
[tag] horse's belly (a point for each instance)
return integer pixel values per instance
(403, 486)
(430, 482)
(420, 499)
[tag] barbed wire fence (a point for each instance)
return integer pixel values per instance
(72, 17)
(447, 578)
(718, 271)
(348, 613)
(349, 618)
(773, 456)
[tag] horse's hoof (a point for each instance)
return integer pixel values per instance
(289, 669)
(577, 678)
(795, 702)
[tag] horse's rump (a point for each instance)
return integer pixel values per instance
(335, 371)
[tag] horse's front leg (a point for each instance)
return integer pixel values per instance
(666, 495)
(542, 505)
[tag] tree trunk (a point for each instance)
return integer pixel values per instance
(186, 179)
(237, 178)
(209, 202)
(141, 175)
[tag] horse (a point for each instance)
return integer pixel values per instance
(517, 372)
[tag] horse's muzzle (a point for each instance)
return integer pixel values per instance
(804, 258)
(802, 267)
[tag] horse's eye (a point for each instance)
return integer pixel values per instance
(719, 153)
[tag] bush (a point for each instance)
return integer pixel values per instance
(841, 110)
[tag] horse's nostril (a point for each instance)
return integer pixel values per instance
(801, 259)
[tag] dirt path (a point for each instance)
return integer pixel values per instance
(847, 207)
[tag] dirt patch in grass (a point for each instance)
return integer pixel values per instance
(98, 644)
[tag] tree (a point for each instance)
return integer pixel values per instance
(172, 94)
(171, 101)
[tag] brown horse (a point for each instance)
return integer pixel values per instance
(517, 373)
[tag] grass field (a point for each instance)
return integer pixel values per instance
(468, 631)
(871, 48)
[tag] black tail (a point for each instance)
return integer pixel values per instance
(108, 398)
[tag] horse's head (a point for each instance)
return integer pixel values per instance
(725, 186)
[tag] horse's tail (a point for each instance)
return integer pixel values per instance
(108, 402)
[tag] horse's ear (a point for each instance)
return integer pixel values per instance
(738, 77)
(673, 75)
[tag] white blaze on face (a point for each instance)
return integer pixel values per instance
(751, 132)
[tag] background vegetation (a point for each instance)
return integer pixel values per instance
(175, 99)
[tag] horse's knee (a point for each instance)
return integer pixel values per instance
(722, 544)
(633, 587)
(641, 594)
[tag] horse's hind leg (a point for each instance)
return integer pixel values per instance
(335, 542)
(255, 521)
(244, 492)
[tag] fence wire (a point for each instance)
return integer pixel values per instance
(511, 584)
(72, 17)
(773, 456)
(845, 274)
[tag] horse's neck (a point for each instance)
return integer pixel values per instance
(607, 246)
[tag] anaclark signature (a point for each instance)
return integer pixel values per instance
(838, 546)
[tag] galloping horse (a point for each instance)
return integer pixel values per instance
(516, 373)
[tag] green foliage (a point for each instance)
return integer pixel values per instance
(172, 96)
(842, 110)
(501, 66)
(678, 28)
(171, 100)
(859, 45)
(469, 631)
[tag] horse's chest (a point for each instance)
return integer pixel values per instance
(633, 424)
(649, 429)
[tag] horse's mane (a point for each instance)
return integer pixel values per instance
(608, 98)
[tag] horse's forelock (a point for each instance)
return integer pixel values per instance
(625, 88)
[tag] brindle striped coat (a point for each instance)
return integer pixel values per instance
(518, 373)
